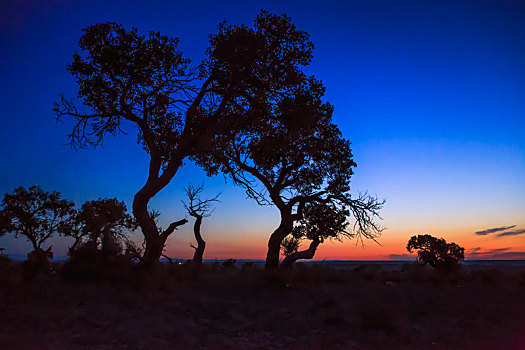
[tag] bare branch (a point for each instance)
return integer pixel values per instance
(172, 227)
(196, 206)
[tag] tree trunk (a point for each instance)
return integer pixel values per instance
(274, 244)
(303, 254)
(153, 252)
(201, 244)
(155, 240)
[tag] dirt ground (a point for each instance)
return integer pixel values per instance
(315, 307)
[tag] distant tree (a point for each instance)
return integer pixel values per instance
(103, 222)
(290, 154)
(436, 252)
(198, 208)
(35, 214)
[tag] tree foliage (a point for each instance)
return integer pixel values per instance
(290, 245)
(103, 222)
(35, 214)
(436, 252)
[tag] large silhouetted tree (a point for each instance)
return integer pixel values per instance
(290, 154)
(35, 214)
(176, 107)
(124, 76)
(436, 251)
(198, 208)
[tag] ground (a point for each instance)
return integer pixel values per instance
(312, 307)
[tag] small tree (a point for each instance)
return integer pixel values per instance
(102, 222)
(198, 208)
(36, 215)
(436, 252)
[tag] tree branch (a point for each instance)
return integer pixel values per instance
(172, 227)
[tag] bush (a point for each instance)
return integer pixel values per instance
(436, 252)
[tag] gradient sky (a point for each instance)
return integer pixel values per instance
(431, 94)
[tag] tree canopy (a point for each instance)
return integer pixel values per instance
(35, 214)
(436, 251)
(102, 222)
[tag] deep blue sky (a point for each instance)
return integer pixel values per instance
(431, 94)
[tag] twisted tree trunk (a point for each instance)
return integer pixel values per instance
(274, 243)
(201, 244)
(155, 239)
(303, 254)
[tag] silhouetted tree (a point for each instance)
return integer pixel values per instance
(124, 76)
(198, 208)
(103, 222)
(436, 251)
(290, 146)
(36, 215)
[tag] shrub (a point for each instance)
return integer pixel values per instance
(436, 252)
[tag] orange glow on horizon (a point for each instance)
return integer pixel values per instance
(393, 246)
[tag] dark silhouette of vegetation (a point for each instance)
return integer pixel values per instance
(248, 111)
(124, 76)
(103, 222)
(37, 215)
(178, 107)
(198, 208)
(290, 147)
(99, 229)
(436, 252)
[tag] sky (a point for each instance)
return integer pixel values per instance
(430, 93)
